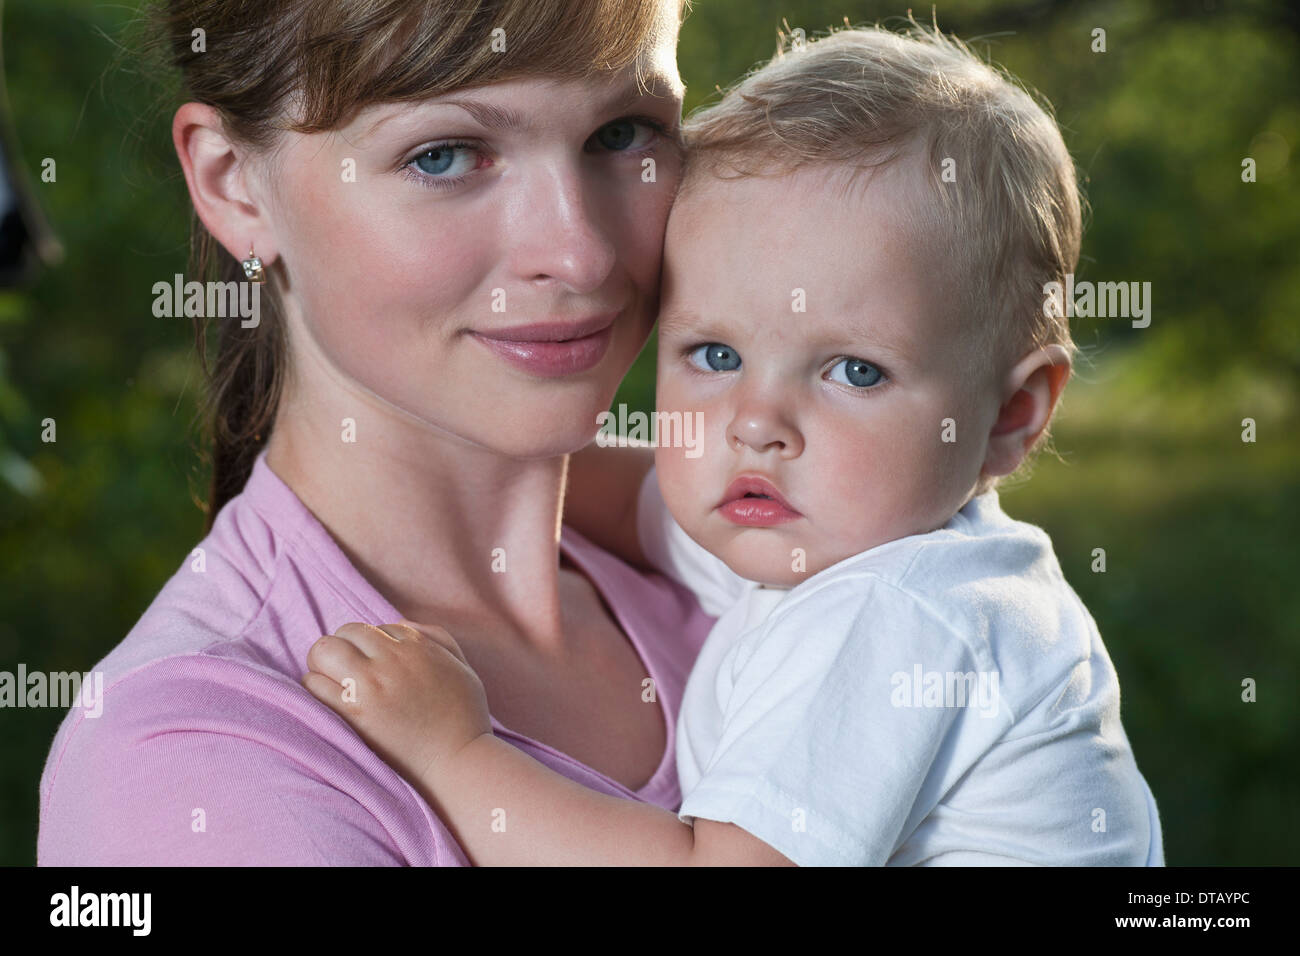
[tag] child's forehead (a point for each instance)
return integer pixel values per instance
(836, 232)
(822, 257)
(848, 206)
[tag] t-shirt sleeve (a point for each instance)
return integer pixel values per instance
(185, 772)
(843, 725)
(673, 552)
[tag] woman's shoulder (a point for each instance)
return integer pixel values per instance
(211, 604)
(257, 590)
(199, 712)
(211, 597)
(204, 624)
(198, 759)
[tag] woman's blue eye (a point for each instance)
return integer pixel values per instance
(856, 372)
(445, 159)
(622, 135)
(715, 357)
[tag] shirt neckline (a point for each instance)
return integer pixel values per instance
(280, 508)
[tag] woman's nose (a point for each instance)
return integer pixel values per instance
(763, 427)
(562, 233)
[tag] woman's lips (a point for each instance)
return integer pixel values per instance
(754, 502)
(552, 349)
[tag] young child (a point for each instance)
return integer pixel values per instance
(853, 301)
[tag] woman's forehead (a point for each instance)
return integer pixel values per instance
(522, 104)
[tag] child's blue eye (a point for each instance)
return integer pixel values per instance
(715, 357)
(855, 372)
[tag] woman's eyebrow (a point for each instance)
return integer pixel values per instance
(485, 114)
(657, 86)
(496, 118)
(504, 119)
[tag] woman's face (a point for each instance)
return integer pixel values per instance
(486, 262)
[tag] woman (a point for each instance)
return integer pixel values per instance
(459, 211)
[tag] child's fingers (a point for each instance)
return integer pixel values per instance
(438, 635)
(336, 657)
(401, 631)
(325, 690)
(404, 633)
(338, 652)
(367, 638)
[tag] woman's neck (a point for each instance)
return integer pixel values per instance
(433, 522)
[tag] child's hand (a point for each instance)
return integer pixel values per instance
(406, 688)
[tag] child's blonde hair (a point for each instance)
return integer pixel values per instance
(1010, 205)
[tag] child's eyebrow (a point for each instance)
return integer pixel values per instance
(898, 349)
(678, 318)
(852, 334)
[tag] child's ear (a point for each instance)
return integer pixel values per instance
(1029, 396)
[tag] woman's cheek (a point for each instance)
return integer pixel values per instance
(650, 206)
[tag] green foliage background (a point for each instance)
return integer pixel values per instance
(1200, 587)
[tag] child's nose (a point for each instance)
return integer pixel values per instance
(764, 429)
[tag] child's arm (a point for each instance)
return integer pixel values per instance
(600, 497)
(419, 705)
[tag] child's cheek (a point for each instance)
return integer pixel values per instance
(687, 469)
(861, 479)
(681, 482)
(904, 484)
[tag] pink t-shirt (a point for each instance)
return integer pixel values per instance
(208, 751)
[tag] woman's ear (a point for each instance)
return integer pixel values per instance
(215, 172)
(1030, 393)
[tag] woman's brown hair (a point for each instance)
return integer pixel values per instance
(330, 58)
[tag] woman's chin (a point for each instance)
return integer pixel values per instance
(549, 433)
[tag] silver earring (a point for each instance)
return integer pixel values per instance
(253, 267)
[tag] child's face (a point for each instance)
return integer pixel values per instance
(811, 325)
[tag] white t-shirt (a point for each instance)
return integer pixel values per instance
(942, 699)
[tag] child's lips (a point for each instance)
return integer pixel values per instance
(754, 501)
